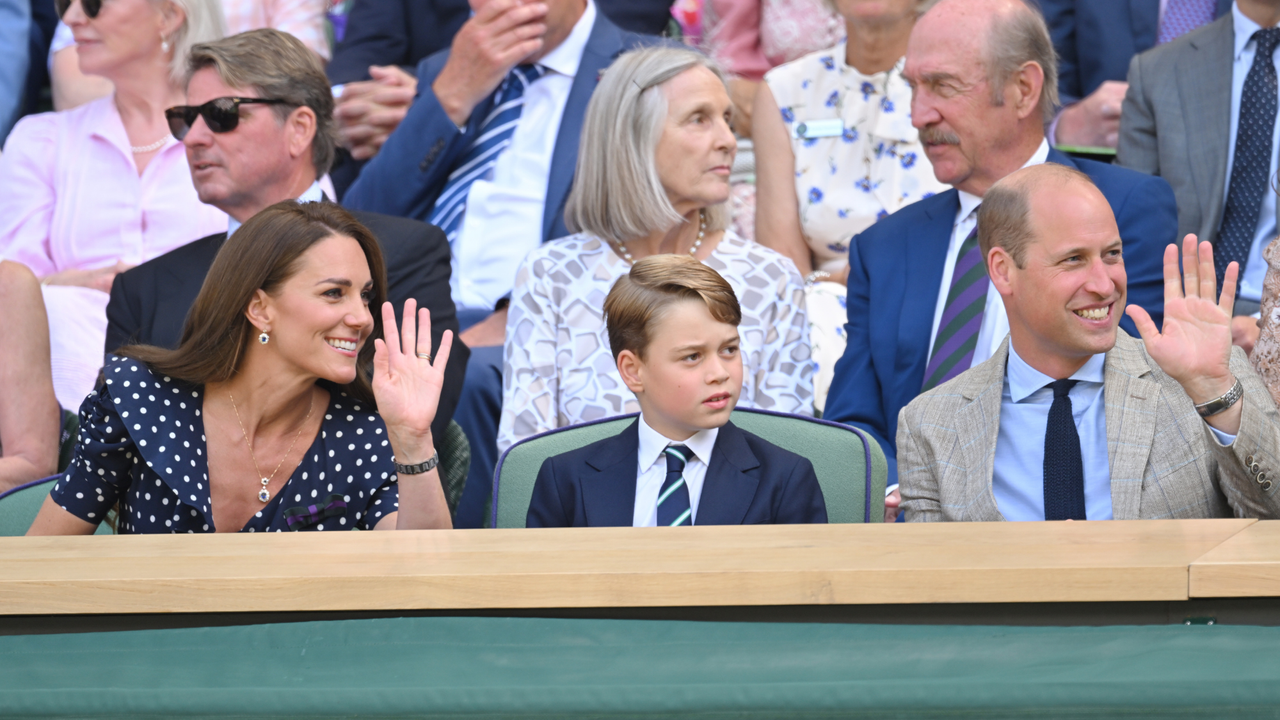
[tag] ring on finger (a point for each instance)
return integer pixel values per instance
(425, 356)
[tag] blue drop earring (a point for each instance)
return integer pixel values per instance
(263, 338)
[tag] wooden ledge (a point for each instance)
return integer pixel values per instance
(608, 567)
(1246, 565)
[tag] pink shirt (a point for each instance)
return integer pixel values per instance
(71, 196)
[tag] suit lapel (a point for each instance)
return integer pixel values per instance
(978, 427)
(1205, 95)
(728, 489)
(609, 481)
(603, 45)
(924, 255)
(1131, 403)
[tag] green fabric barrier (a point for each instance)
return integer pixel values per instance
(506, 667)
(18, 508)
(839, 454)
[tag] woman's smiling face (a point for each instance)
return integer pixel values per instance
(320, 318)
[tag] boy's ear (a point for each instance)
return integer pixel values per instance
(629, 367)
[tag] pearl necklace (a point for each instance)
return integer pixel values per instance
(702, 231)
(139, 149)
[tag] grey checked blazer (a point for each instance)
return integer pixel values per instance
(1177, 122)
(1165, 463)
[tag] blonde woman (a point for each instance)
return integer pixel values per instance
(652, 177)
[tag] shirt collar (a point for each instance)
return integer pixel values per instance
(970, 202)
(1025, 380)
(565, 57)
(311, 194)
(1244, 29)
(652, 443)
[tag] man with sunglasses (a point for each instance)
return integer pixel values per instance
(259, 130)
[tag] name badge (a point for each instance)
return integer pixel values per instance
(832, 127)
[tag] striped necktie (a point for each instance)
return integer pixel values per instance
(673, 502)
(493, 136)
(961, 316)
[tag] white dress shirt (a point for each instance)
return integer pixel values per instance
(503, 219)
(1255, 270)
(995, 323)
(651, 470)
(315, 193)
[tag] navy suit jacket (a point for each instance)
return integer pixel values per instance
(895, 273)
(1096, 39)
(749, 482)
(407, 176)
(403, 32)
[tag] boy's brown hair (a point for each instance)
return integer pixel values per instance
(640, 298)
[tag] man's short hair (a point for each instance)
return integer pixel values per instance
(641, 297)
(616, 193)
(275, 64)
(1014, 39)
(1004, 217)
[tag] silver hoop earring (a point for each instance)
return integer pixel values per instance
(263, 338)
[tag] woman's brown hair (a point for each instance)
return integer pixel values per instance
(261, 255)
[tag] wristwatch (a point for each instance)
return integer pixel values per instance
(420, 467)
(1219, 404)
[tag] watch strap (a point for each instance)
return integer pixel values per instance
(1221, 403)
(419, 468)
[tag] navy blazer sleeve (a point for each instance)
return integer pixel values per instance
(856, 397)
(802, 500)
(124, 324)
(394, 32)
(1059, 15)
(409, 172)
(546, 508)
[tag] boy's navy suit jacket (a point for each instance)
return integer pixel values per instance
(749, 482)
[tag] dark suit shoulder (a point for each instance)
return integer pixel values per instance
(1107, 176)
(195, 254)
(913, 214)
(768, 454)
(380, 224)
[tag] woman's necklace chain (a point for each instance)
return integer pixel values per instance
(140, 149)
(264, 494)
(702, 231)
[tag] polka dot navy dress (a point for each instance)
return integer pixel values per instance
(142, 443)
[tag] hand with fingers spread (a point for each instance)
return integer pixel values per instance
(500, 35)
(407, 381)
(1194, 346)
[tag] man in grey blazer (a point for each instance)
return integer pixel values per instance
(1072, 420)
(1186, 104)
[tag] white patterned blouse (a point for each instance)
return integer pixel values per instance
(870, 166)
(558, 368)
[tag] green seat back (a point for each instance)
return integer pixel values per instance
(19, 507)
(850, 466)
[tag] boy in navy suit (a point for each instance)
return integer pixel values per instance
(673, 329)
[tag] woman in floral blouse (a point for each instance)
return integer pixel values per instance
(652, 177)
(835, 151)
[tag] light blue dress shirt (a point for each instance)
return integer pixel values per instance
(15, 58)
(1245, 50)
(1018, 479)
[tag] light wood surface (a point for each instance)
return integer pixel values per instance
(606, 567)
(1245, 565)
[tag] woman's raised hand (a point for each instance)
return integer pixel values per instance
(407, 380)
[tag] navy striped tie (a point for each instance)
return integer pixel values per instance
(961, 316)
(673, 502)
(492, 138)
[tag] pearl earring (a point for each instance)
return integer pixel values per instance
(263, 338)
(164, 44)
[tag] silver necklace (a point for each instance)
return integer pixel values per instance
(702, 231)
(139, 149)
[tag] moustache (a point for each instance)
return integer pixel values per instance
(935, 136)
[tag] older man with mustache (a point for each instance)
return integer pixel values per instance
(921, 310)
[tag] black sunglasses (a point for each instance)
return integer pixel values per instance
(90, 7)
(220, 114)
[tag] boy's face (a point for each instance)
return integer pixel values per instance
(691, 376)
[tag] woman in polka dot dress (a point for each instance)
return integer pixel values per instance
(265, 417)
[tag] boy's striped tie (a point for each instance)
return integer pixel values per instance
(673, 501)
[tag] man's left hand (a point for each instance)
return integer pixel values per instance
(1194, 346)
(489, 332)
(1245, 331)
(368, 112)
